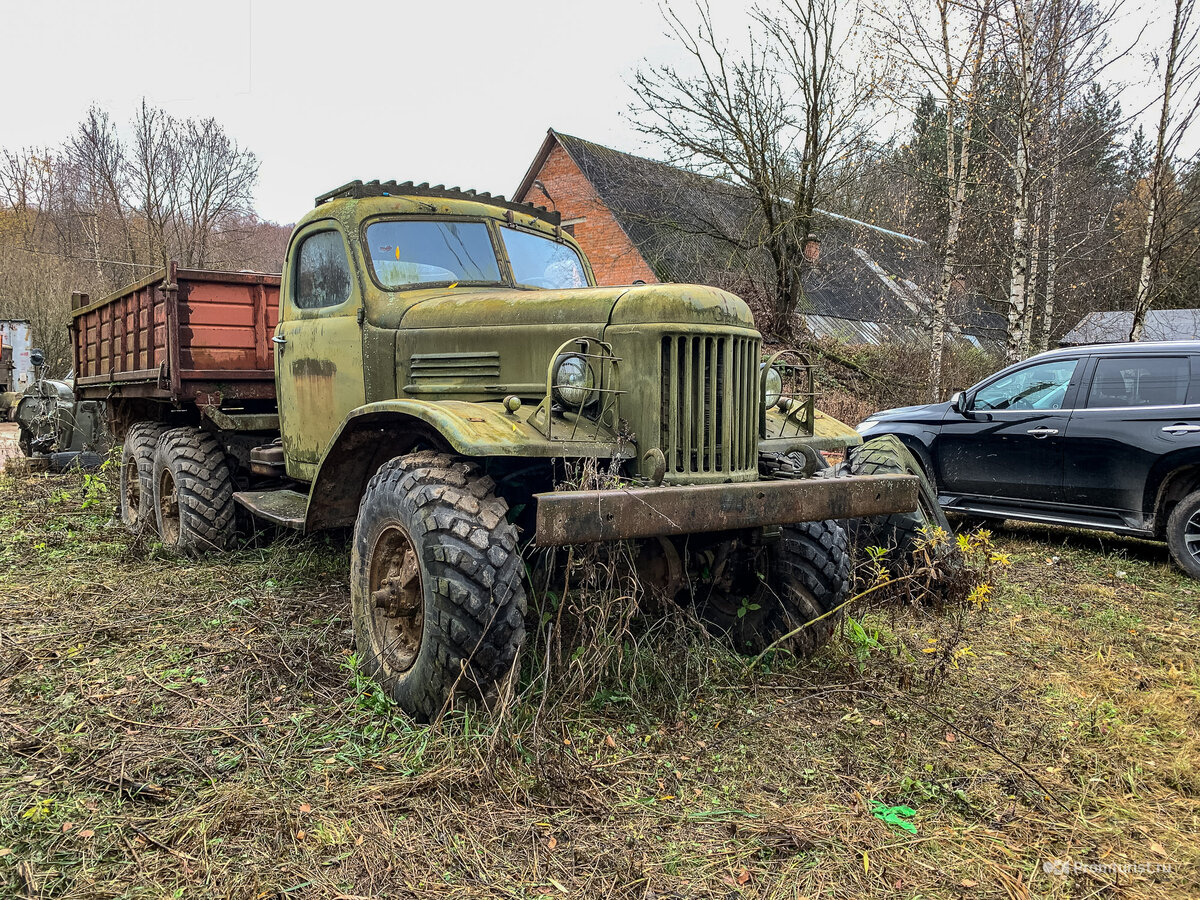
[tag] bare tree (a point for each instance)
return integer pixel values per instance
(943, 43)
(769, 121)
(1179, 74)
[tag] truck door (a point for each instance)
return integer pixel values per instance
(318, 346)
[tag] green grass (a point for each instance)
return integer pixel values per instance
(199, 728)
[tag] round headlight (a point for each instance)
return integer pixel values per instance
(773, 387)
(574, 382)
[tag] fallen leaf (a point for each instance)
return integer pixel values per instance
(950, 738)
(300, 835)
(67, 826)
(552, 843)
(743, 876)
(968, 883)
(86, 833)
(1158, 848)
(610, 741)
(4, 851)
(305, 808)
(876, 722)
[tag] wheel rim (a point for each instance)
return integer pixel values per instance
(168, 509)
(1191, 536)
(397, 598)
(133, 492)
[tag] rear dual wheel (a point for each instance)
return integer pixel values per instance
(177, 482)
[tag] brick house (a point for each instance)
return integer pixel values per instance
(642, 220)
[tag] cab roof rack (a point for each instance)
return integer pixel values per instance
(357, 188)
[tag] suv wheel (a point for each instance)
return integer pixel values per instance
(137, 476)
(1183, 534)
(435, 583)
(758, 596)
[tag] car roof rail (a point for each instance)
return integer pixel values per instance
(358, 188)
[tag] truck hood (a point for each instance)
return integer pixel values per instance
(621, 305)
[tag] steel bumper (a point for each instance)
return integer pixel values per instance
(581, 517)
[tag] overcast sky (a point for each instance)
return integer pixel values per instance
(454, 92)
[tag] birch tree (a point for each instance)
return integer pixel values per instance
(1179, 74)
(943, 46)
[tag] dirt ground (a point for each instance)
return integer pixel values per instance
(198, 728)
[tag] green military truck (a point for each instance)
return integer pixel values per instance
(438, 369)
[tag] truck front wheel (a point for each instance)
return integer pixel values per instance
(435, 583)
(193, 492)
(802, 579)
(137, 476)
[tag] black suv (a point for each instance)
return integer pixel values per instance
(1104, 437)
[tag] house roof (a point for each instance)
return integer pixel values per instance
(871, 284)
(1113, 326)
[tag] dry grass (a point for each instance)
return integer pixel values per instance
(197, 729)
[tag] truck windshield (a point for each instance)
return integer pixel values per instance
(540, 262)
(427, 252)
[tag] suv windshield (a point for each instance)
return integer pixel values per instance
(431, 252)
(540, 262)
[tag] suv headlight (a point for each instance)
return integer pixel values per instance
(772, 387)
(574, 382)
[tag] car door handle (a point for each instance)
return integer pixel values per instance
(278, 340)
(1042, 432)
(1181, 429)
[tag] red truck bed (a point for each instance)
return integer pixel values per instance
(179, 335)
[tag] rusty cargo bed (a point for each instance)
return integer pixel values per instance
(180, 335)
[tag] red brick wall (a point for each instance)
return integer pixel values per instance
(614, 258)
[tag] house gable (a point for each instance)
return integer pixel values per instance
(564, 187)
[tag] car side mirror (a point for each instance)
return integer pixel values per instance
(958, 402)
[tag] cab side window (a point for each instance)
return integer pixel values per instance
(1139, 381)
(322, 276)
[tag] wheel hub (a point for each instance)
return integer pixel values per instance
(397, 598)
(1191, 536)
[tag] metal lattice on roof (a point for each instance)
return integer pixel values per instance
(376, 188)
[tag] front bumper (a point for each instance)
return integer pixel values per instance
(582, 517)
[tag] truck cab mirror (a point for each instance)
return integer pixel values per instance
(958, 402)
(37, 358)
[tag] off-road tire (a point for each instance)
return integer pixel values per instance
(193, 493)
(900, 533)
(1182, 524)
(804, 576)
(471, 599)
(136, 496)
(25, 440)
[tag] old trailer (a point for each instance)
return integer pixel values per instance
(186, 337)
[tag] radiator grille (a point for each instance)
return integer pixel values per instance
(709, 412)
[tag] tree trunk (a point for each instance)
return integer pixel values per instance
(1145, 295)
(1035, 243)
(1043, 343)
(1020, 260)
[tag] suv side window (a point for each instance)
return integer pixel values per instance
(1042, 386)
(1139, 381)
(322, 272)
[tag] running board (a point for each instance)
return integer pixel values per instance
(287, 508)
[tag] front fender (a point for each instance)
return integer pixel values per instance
(376, 432)
(828, 434)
